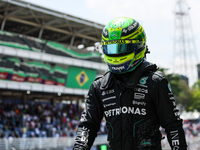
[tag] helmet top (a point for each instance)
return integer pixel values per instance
(124, 44)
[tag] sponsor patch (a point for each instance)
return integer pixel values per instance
(108, 98)
(107, 105)
(125, 110)
(139, 103)
(143, 80)
(175, 139)
(107, 92)
(142, 90)
(139, 96)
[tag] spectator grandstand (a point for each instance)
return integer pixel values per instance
(26, 70)
(48, 60)
(39, 50)
(44, 76)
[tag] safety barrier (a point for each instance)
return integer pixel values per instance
(35, 143)
(65, 143)
(42, 143)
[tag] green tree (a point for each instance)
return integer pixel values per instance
(196, 97)
(174, 81)
(183, 94)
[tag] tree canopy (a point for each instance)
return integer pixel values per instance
(188, 98)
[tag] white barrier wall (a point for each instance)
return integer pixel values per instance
(42, 143)
(67, 143)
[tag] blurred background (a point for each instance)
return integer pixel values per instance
(50, 54)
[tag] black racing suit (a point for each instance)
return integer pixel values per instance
(135, 105)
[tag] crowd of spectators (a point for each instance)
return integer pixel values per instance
(61, 120)
(40, 120)
(192, 128)
(192, 133)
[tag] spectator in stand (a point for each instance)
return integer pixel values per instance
(38, 120)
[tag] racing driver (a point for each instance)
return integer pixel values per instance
(134, 97)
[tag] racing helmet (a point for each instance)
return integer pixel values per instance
(123, 44)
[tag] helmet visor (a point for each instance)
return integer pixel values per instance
(120, 49)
